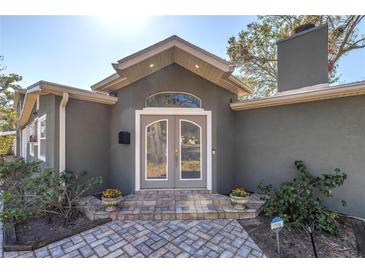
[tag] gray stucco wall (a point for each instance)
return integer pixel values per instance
(325, 135)
(47, 105)
(18, 142)
(303, 58)
(172, 78)
(87, 136)
(250, 145)
(88, 139)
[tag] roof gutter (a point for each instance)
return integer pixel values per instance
(63, 104)
(43, 87)
(295, 97)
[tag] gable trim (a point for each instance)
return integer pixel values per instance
(169, 51)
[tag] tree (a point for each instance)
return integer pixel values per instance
(254, 50)
(8, 85)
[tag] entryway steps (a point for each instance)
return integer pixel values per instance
(173, 205)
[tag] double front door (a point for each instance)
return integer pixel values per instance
(173, 151)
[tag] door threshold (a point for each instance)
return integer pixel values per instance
(150, 189)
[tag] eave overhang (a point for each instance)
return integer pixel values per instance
(309, 94)
(169, 51)
(18, 92)
(44, 87)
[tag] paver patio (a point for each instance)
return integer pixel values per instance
(1, 239)
(167, 239)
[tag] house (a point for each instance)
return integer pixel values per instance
(168, 118)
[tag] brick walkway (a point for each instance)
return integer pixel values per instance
(168, 239)
(1, 239)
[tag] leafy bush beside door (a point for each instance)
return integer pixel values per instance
(28, 191)
(300, 202)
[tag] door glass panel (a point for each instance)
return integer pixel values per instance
(190, 147)
(156, 151)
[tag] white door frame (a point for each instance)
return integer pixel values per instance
(171, 111)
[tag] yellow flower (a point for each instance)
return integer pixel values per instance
(111, 193)
(240, 192)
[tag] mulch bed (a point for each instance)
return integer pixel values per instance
(36, 233)
(297, 244)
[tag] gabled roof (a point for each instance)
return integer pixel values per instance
(172, 50)
(20, 91)
(303, 95)
(44, 87)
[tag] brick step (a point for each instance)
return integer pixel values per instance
(168, 200)
(175, 205)
(223, 213)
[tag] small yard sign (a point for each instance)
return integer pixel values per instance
(277, 225)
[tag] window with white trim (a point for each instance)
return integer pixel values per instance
(42, 137)
(173, 99)
(32, 138)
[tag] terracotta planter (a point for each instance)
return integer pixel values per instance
(111, 203)
(239, 202)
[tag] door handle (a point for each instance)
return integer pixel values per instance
(176, 156)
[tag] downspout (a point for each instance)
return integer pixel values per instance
(62, 152)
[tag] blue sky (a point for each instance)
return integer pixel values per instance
(79, 50)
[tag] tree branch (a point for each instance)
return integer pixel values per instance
(351, 25)
(264, 69)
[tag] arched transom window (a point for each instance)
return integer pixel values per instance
(173, 99)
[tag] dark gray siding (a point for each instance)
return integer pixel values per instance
(17, 142)
(88, 138)
(173, 78)
(303, 58)
(48, 106)
(325, 135)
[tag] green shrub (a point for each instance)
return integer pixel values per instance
(14, 175)
(59, 195)
(15, 171)
(300, 202)
(28, 191)
(6, 145)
